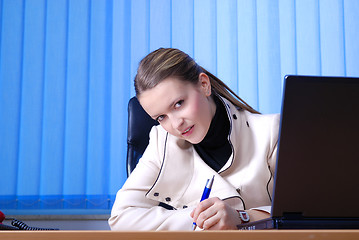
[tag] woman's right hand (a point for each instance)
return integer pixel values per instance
(215, 214)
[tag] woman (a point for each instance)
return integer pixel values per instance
(203, 131)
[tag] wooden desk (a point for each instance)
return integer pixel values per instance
(207, 235)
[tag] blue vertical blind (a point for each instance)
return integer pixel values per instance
(67, 70)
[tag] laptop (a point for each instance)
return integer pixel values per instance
(316, 182)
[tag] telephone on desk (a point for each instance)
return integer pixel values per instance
(18, 225)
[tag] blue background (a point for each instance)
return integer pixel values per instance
(67, 70)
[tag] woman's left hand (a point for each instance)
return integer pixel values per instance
(215, 214)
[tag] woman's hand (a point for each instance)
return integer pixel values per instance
(215, 214)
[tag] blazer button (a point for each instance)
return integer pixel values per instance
(184, 206)
(168, 199)
(156, 194)
(234, 116)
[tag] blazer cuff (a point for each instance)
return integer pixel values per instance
(266, 209)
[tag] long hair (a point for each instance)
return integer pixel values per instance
(170, 62)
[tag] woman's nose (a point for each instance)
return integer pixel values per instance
(177, 122)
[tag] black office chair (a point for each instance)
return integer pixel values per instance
(139, 126)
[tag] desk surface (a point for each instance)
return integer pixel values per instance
(167, 235)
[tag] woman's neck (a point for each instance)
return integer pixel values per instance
(215, 149)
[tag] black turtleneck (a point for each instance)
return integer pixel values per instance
(215, 148)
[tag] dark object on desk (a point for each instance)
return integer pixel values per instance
(316, 184)
(23, 226)
(7, 227)
(139, 126)
(18, 225)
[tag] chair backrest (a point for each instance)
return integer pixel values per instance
(139, 126)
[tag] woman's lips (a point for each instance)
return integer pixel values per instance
(188, 131)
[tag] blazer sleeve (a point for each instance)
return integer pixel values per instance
(274, 134)
(132, 210)
(272, 156)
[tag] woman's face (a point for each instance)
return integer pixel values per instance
(183, 109)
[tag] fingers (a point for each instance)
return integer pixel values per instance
(208, 213)
(202, 206)
(215, 214)
(210, 223)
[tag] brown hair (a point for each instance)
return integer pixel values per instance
(170, 62)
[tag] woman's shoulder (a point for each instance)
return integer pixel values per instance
(157, 134)
(246, 116)
(160, 137)
(262, 119)
(159, 141)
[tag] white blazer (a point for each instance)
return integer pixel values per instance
(171, 172)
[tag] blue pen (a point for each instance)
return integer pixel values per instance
(205, 195)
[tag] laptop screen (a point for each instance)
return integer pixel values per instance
(317, 172)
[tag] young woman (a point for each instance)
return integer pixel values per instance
(204, 131)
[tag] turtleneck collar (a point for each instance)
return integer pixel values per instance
(215, 148)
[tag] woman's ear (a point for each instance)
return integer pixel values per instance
(205, 84)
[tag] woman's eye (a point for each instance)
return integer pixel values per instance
(179, 104)
(160, 118)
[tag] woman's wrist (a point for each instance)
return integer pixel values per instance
(256, 214)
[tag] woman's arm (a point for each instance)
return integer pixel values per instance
(132, 210)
